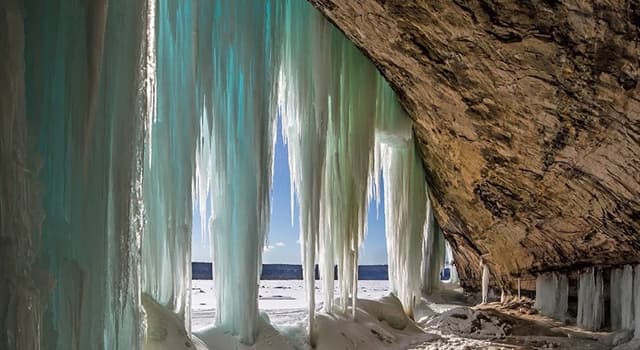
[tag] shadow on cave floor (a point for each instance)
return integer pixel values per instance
(513, 325)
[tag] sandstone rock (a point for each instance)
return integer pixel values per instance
(528, 120)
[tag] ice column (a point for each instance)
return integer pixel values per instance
(405, 194)
(78, 67)
(236, 81)
(304, 82)
(552, 292)
(23, 294)
(433, 254)
(170, 160)
(590, 299)
(636, 300)
(485, 282)
(622, 298)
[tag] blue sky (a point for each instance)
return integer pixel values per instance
(282, 241)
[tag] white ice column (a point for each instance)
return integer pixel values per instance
(590, 299)
(552, 291)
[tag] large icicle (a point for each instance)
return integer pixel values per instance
(238, 47)
(485, 282)
(170, 161)
(78, 68)
(433, 254)
(622, 298)
(590, 299)
(22, 297)
(304, 102)
(405, 205)
(636, 300)
(552, 293)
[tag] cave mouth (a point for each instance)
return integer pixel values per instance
(119, 124)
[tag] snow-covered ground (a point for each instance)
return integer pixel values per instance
(282, 300)
(443, 323)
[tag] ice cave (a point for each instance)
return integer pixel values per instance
(499, 141)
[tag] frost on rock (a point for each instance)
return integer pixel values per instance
(622, 307)
(590, 299)
(552, 293)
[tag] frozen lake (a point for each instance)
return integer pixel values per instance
(282, 300)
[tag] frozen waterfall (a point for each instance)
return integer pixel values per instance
(121, 124)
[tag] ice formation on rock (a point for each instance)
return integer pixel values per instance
(552, 295)
(621, 294)
(590, 299)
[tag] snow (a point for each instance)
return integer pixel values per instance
(380, 322)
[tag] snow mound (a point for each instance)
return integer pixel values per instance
(378, 324)
(164, 330)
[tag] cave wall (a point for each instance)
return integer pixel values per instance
(527, 115)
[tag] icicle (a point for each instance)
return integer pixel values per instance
(519, 296)
(621, 297)
(552, 293)
(238, 52)
(434, 254)
(485, 283)
(22, 296)
(80, 70)
(170, 162)
(304, 101)
(636, 300)
(590, 300)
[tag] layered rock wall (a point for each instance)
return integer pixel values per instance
(528, 120)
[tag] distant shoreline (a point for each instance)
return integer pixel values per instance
(203, 271)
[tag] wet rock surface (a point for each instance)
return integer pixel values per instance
(527, 115)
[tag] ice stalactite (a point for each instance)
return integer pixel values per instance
(170, 159)
(236, 83)
(24, 287)
(433, 254)
(485, 282)
(552, 295)
(327, 106)
(304, 103)
(405, 194)
(75, 121)
(636, 300)
(348, 160)
(622, 298)
(590, 299)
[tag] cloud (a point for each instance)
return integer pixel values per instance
(280, 244)
(268, 248)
